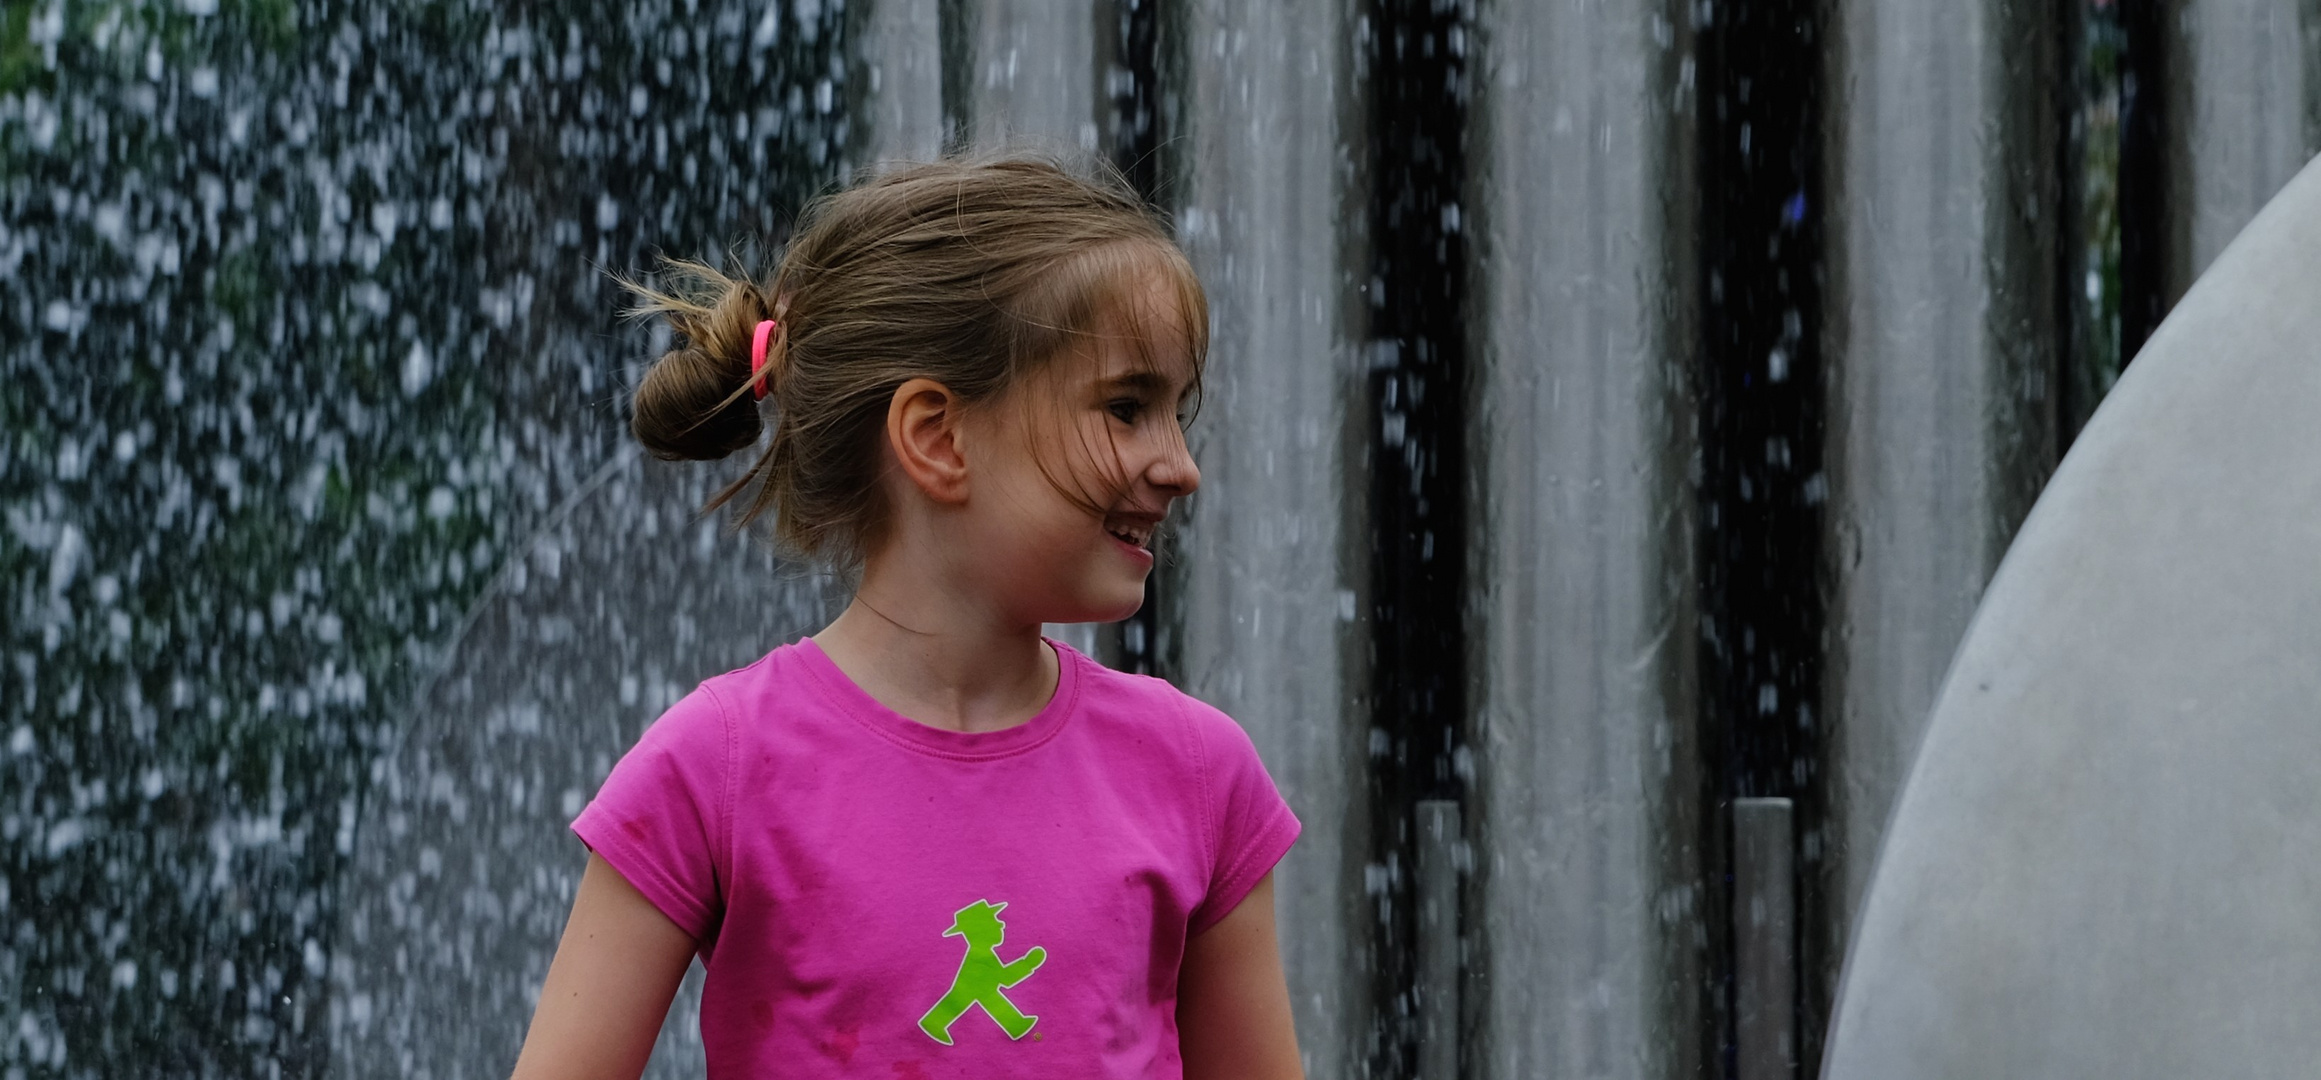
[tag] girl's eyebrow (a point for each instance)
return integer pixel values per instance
(1148, 381)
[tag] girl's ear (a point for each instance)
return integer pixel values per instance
(923, 430)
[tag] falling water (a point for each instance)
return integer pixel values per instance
(1614, 409)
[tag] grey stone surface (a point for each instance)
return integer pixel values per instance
(1585, 898)
(2106, 859)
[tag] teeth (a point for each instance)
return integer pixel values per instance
(1131, 531)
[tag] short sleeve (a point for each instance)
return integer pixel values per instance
(660, 817)
(1251, 824)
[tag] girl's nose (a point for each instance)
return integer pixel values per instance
(1174, 470)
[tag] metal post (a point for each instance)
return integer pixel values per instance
(1764, 940)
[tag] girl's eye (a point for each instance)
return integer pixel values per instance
(1125, 409)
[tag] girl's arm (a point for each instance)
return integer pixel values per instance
(609, 987)
(1233, 1018)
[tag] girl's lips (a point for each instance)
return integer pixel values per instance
(1137, 552)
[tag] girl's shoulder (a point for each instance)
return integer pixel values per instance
(780, 675)
(1143, 701)
(709, 716)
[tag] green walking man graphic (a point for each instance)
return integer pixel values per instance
(981, 976)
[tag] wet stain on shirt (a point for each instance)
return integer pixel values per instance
(842, 1043)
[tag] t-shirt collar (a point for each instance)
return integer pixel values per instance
(857, 704)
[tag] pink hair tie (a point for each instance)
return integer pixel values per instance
(757, 355)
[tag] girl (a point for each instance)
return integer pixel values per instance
(928, 842)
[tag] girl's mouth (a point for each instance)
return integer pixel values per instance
(1134, 530)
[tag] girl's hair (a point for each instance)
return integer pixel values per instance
(971, 273)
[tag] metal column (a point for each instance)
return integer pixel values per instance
(1941, 319)
(1267, 606)
(898, 82)
(1585, 765)
(2245, 134)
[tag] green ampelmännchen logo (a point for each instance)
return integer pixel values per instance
(981, 976)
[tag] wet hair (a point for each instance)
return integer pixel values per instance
(975, 274)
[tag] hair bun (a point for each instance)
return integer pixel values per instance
(685, 410)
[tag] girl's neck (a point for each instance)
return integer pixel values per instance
(939, 660)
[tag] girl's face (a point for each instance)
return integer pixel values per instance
(1084, 461)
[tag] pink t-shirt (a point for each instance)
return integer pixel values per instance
(879, 898)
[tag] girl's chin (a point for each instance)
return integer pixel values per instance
(1110, 609)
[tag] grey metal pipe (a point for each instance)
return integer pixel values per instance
(1584, 768)
(1267, 608)
(2244, 136)
(898, 81)
(1941, 323)
(1034, 76)
(1764, 939)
